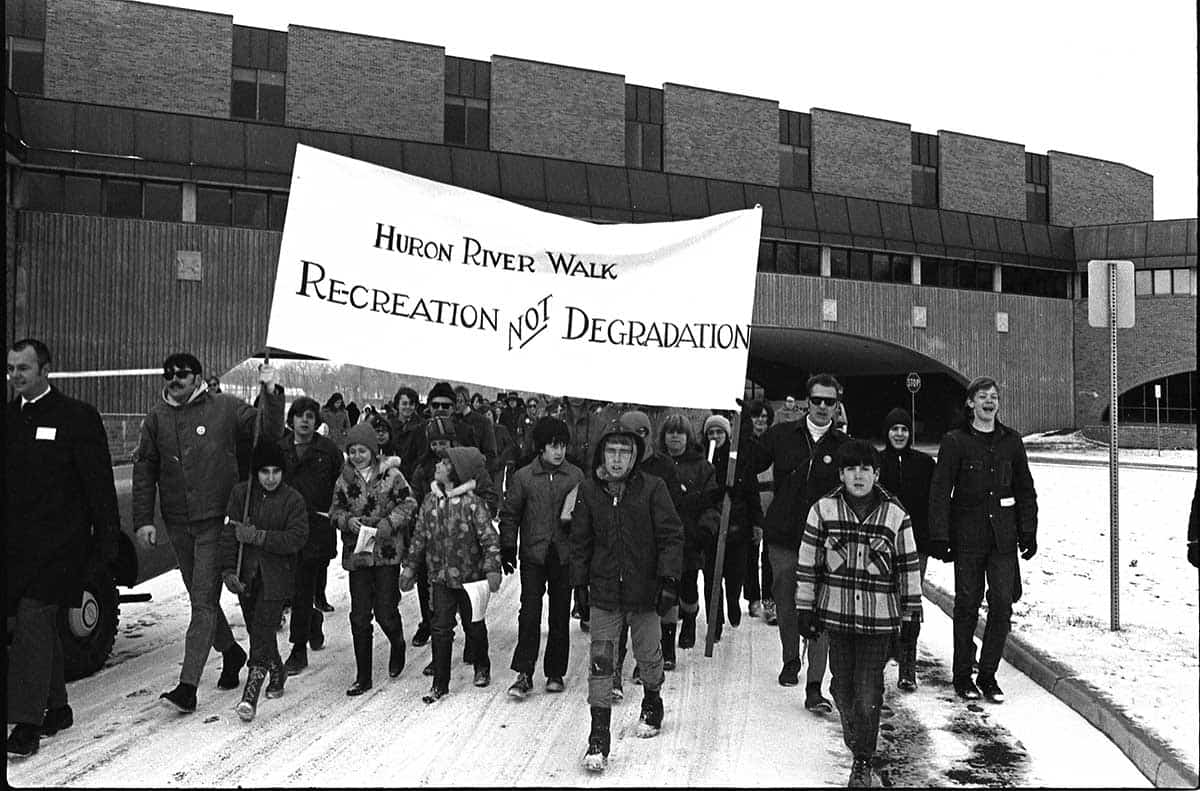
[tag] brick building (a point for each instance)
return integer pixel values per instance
(148, 158)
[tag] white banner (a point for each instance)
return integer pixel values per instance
(386, 270)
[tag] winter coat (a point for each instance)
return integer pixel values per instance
(454, 537)
(982, 495)
(59, 494)
(804, 472)
(859, 576)
(506, 454)
(745, 508)
(474, 430)
(698, 505)
(622, 545)
(314, 475)
(338, 421)
(410, 443)
(532, 508)
(283, 515)
(485, 488)
(188, 452)
(908, 474)
(385, 503)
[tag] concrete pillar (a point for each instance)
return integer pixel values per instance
(916, 270)
(189, 202)
(826, 267)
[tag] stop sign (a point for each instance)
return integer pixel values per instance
(913, 382)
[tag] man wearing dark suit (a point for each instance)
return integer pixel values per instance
(60, 503)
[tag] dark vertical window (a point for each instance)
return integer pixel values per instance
(787, 258)
(839, 262)
(43, 191)
(766, 256)
(924, 170)
(250, 209)
(122, 198)
(162, 202)
(83, 195)
(277, 211)
(795, 145)
(860, 265)
(23, 61)
(213, 206)
(468, 103)
(1037, 188)
(259, 74)
(810, 260)
(643, 127)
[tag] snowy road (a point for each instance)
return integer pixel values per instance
(728, 722)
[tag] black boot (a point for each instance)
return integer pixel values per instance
(297, 660)
(233, 659)
(316, 635)
(396, 654)
(596, 758)
(277, 677)
(651, 719)
(908, 657)
(363, 646)
(668, 646)
(248, 705)
(687, 630)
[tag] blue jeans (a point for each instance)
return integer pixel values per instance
(1003, 578)
(646, 635)
(196, 550)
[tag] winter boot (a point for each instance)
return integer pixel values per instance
(233, 658)
(990, 689)
(435, 694)
(814, 701)
(521, 687)
(316, 636)
(618, 690)
(396, 655)
(651, 718)
(277, 678)
(422, 635)
(596, 758)
(25, 739)
(297, 660)
(363, 645)
(248, 705)
(770, 614)
(668, 646)
(182, 698)
(57, 719)
(687, 629)
(860, 774)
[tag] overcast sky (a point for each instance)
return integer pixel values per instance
(1111, 80)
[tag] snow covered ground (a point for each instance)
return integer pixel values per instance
(1150, 667)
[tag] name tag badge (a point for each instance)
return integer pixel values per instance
(1008, 502)
(46, 432)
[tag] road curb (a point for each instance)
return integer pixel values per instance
(1153, 757)
(1083, 461)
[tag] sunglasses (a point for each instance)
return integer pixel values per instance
(822, 401)
(182, 373)
(441, 405)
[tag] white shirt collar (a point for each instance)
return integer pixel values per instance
(35, 399)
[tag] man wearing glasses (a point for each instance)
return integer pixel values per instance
(802, 452)
(188, 454)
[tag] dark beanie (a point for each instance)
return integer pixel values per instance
(364, 435)
(897, 417)
(549, 430)
(439, 428)
(267, 454)
(443, 390)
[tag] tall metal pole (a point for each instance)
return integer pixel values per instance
(1113, 465)
(1157, 421)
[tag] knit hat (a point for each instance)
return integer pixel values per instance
(468, 463)
(439, 428)
(721, 422)
(267, 454)
(897, 417)
(634, 420)
(442, 390)
(363, 434)
(549, 430)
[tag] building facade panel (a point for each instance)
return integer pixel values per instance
(862, 157)
(557, 111)
(979, 175)
(720, 135)
(1086, 191)
(139, 55)
(346, 82)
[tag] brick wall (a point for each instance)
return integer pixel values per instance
(557, 111)
(860, 156)
(1168, 436)
(1161, 342)
(139, 55)
(980, 175)
(720, 135)
(347, 82)
(1086, 191)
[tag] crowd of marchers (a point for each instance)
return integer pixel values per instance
(606, 517)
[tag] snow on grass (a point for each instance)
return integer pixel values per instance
(1150, 667)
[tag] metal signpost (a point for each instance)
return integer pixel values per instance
(1157, 420)
(1110, 304)
(913, 383)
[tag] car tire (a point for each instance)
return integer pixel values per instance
(89, 631)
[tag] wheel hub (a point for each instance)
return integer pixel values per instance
(83, 619)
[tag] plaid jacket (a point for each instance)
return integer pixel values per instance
(859, 577)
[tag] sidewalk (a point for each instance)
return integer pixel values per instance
(1152, 756)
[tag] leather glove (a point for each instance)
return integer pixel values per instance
(1028, 546)
(494, 579)
(668, 595)
(234, 584)
(941, 550)
(249, 534)
(407, 579)
(806, 620)
(508, 559)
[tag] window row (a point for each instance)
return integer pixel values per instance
(876, 267)
(1158, 282)
(1177, 402)
(153, 200)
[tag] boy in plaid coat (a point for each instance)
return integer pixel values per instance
(858, 576)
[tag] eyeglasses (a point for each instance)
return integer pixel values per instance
(822, 401)
(642, 432)
(182, 373)
(618, 453)
(441, 405)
